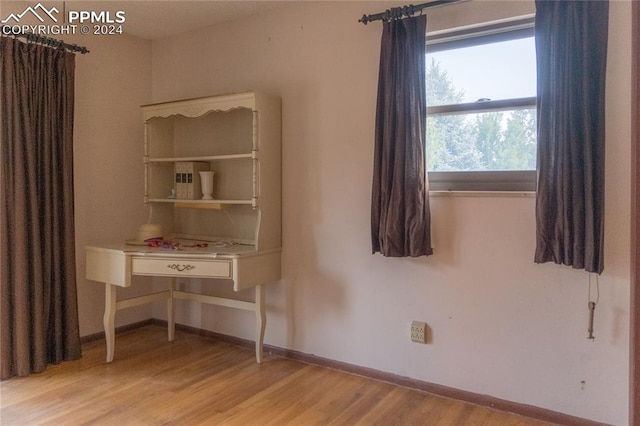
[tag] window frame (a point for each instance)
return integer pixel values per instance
(482, 180)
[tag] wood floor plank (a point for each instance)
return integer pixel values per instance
(199, 381)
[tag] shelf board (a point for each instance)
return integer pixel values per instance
(201, 158)
(201, 204)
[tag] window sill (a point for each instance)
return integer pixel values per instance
(484, 194)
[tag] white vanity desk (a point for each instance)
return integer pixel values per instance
(238, 137)
(114, 265)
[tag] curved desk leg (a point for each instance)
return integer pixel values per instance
(171, 320)
(261, 322)
(109, 319)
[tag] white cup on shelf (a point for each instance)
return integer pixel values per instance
(206, 181)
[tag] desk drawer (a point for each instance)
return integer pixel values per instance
(177, 267)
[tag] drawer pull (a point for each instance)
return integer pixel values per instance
(180, 268)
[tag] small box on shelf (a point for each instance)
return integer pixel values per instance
(187, 179)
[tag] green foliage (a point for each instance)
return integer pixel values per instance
(440, 88)
(504, 140)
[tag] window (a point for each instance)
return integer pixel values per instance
(481, 107)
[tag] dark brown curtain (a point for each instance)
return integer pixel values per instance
(400, 217)
(571, 49)
(38, 312)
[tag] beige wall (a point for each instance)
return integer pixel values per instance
(111, 83)
(501, 325)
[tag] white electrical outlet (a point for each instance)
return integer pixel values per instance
(418, 332)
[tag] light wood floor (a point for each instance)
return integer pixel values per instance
(201, 381)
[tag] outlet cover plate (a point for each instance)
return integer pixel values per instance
(418, 331)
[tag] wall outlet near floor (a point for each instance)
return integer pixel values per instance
(418, 331)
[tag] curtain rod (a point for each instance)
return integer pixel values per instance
(404, 11)
(44, 40)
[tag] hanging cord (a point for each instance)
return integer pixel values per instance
(592, 305)
(234, 226)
